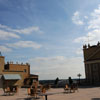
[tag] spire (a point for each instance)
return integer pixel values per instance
(84, 46)
(98, 43)
(0, 53)
(88, 45)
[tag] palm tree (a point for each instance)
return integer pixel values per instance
(79, 75)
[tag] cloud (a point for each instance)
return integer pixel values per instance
(4, 26)
(27, 31)
(6, 35)
(79, 51)
(5, 49)
(76, 19)
(94, 22)
(7, 32)
(25, 44)
(93, 34)
(56, 67)
(91, 37)
(81, 39)
(86, 17)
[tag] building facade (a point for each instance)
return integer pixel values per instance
(11, 73)
(92, 63)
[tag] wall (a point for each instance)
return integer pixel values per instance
(92, 63)
(2, 62)
(18, 69)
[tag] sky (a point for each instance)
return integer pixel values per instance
(49, 34)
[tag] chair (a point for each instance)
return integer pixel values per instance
(6, 91)
(43, 90)
(66, 89)
(32, 91)
(29, 91)
(74, 87)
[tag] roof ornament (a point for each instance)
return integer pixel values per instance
(84, 46)
(88, 45)
(98, 43)
(0, 53)
(88, 40)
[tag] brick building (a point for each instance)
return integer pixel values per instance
(92, 63)
(16, 74)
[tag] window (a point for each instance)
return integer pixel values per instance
(6, 67)
(95, 67)
(24, 70)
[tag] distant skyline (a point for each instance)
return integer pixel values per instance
(49, 34)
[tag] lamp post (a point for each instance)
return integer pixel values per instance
(79, 75)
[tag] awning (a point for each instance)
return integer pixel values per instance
(11, 76)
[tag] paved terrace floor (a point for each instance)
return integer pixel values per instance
(83, 94)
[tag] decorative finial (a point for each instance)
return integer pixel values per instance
(84, 46)
(0, 53)
(98, 43)
(88, 45)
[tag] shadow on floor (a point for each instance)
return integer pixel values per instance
(95, 99)
(89, 86)
(29, 98)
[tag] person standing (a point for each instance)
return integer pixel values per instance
(70, 81)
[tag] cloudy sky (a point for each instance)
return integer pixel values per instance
(49, 34)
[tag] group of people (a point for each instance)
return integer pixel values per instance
(34, 90)
(10, 89)
(71, 86)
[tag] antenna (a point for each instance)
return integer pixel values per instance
(88, 39)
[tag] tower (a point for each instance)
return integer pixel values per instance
(92, 63)
(2, 63)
